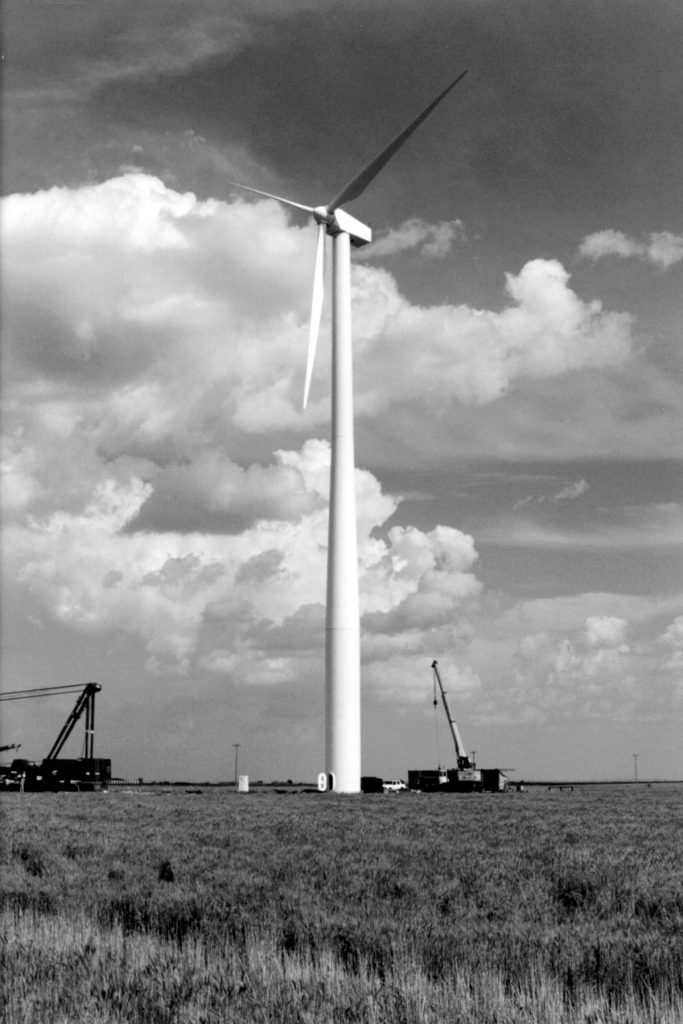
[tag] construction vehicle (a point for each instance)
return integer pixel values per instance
(54, 772)
(466, 778)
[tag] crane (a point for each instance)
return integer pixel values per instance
(466, 778)
(85, 703)
(463, 760)
(54, 772)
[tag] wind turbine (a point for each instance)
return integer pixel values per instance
(342, 624)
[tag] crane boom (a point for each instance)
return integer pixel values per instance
(54, 772)
(460, 752)
(41, 691)
(84, 703)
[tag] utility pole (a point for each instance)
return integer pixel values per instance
(635, 766)
(237, 747)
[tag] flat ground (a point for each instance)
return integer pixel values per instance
(156, 906)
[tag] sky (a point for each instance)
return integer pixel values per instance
(518, 380)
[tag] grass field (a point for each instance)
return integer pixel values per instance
(156, 907)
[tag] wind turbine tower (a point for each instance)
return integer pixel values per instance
(342, 621)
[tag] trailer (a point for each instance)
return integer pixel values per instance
(56, 773)
(457, 780)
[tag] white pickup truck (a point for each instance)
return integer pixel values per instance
(394, 786)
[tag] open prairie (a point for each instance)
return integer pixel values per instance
(154, 906)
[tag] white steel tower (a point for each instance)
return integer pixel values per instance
(342, 624)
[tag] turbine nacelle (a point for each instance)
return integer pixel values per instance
(338, 221)
(359, 233)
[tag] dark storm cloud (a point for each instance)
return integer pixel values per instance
(546, 110)
(59, 57)
(566, 124)
(557, 94)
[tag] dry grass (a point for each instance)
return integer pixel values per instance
(156, 908)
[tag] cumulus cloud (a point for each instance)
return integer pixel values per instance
(663, 248)
(421, 580)
(178, 309)
(589, 655)
(214, 495)
(433, 241)
(149, 295)
(155, 350)
(605, 630)
(182, 594)
(475, 355)
(90, 570)
(673, 635)
(148, 333)
(588, 670)
(672, 641)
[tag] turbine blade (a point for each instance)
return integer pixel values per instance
(316, 307)
(269, 195)
(361, 181)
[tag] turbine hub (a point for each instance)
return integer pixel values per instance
(321, 215)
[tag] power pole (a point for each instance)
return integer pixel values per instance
(635, 766)
(237, 747)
